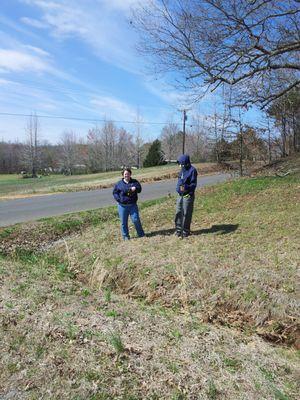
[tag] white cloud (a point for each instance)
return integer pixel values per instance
(113, 108)
(5, 82)
(195, 102)
(6, 22)
(35, 23)
(125, 5)
(16, 57)
(167, 93)
(102, 24)
(37, 50)
(46, 106)
(15, 61)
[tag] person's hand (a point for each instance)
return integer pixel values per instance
(133, 188)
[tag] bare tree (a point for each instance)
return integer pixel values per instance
(109, 134)
(197, 139)
(11, 157)
(286, 112)
(69, 152)
(138, 140)
(219, 133)
(251, 44)
(49, 157)
(109, 148)
(171, 141)
(270, 136)
(95, 150)
(221, 129)
(125, 149)
(31, 154)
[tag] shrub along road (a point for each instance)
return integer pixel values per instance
(33, 208)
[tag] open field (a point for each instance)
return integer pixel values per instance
(88, 316)
(12, 186)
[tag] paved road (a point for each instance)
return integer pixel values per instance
(33, 208)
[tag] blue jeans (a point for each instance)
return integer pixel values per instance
(124, 211)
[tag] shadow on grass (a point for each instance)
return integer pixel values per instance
(221, 229)
(162, 232)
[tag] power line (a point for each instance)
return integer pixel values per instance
(81, 119)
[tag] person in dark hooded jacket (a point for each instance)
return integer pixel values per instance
(186, 186)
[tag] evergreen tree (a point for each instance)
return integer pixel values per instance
(155, 155)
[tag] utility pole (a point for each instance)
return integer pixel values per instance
(183, 132)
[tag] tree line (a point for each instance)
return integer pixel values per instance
(219, 137)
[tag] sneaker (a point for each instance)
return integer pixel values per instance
(177, 233)
(126, 238)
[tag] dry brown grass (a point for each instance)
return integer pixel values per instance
(238, 268)
(281, 167)
(57, 344)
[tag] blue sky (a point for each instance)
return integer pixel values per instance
(78, 59)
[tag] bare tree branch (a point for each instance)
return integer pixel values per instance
(243, 44)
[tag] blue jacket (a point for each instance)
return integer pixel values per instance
(187, 177)
(123, 194)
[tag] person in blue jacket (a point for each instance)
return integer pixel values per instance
(186, 185)
(126, 194)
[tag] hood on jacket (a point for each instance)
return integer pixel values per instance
(184, 159)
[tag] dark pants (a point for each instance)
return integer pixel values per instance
(184, 212)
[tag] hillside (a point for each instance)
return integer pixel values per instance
(88, 316)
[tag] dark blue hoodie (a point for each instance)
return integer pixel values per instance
(187, 177)
(122, 192)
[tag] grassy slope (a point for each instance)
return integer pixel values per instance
(14, 185)
(158, 317)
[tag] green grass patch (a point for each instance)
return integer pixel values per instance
(70, 225)
(115, 340)
(212, 390)
(226, 193)
(232, 364)
(7, 232)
